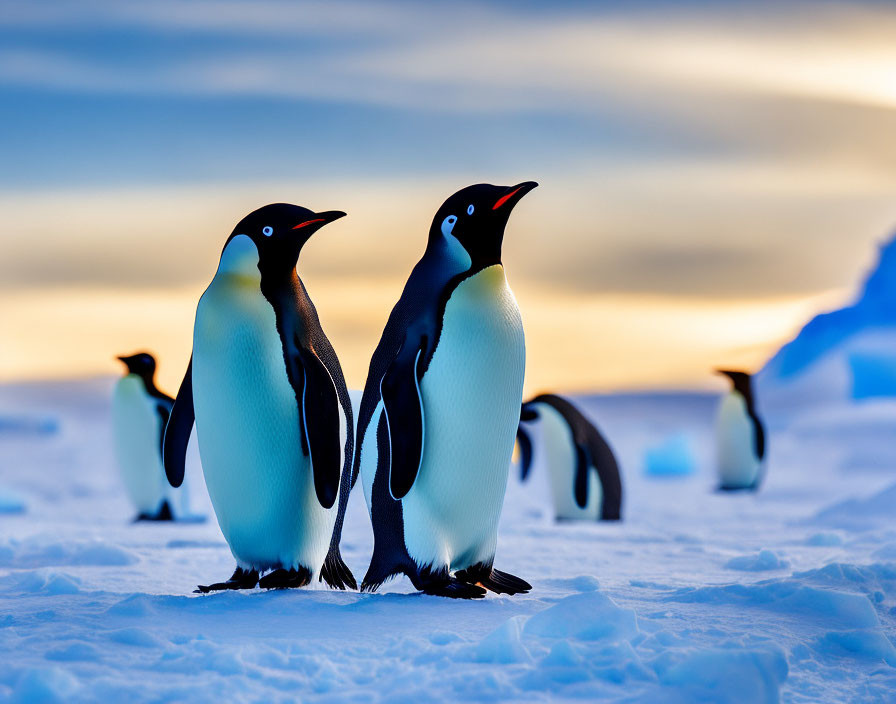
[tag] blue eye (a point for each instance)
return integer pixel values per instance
(267, 231)
(470, 209)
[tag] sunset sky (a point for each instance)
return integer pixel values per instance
(711, 174)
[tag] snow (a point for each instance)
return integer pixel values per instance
(788, 594)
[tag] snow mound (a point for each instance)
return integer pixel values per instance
(10, 502)
(45, 685)
(764, 560)
(726, 676)
(824, 540)
(866, 645)
(587, 616)
(674, 457)
(791, 598)
(859, 514)
(41, 582)
(44, 552)
(28, 425)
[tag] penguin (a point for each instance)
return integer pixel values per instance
(740, 436)
(273, 417)
(441, 406)
(139, 415)
(584, 474)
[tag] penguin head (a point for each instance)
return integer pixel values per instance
(143, 364)
(268, 240)
(476, 217)
(740, 381)
(528, 413)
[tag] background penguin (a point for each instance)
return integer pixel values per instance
(584, 475)
(441, 407)
(139, 415)
(740, 437)
(272, 412)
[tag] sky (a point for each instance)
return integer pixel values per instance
(712, 174)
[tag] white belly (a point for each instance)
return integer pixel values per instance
(472, 393)
(559, 457)
(247, 426)
(137, 427)
(737, 463)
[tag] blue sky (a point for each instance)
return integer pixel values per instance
(697, 161)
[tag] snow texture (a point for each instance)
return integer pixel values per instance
(788, 594)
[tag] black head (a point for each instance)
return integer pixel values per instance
(741, 381)
(143, 364)
(476, 217)
(278, 232)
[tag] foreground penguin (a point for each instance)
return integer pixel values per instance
(740, 437)
(139, 414)
(584, 475)
(272, 412)
(441, 407)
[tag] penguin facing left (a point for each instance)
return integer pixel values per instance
(740, 436)
(139, 416)
(583, 472)
(272, 412)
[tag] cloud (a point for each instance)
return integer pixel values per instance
(683, 228)
(466, 57)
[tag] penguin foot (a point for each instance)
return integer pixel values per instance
(164, 514)
(241, 579)
(454, 589)
(494, 580)
(286, 579)
(336, 573)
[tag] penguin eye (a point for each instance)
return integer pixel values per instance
(267, 230)
(470, 209)
(448, 224)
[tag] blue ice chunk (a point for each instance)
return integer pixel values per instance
(674, 457)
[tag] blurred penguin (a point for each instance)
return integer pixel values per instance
(139, 415)
(740, 437)
(584, 474)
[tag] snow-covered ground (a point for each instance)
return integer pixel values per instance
(788, 594)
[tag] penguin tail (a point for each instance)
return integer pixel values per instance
(335, 572)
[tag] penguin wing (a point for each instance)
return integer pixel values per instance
(319, 403)
(759, 438)
(403, 406)
(178, 429)
(604, 462)
(580, 478)
(525, 442)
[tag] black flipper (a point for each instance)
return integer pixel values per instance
(525, 443)
(178, 429)
(320, 420)
(286, 579)
(580, 482)
(403, 409)
(241, 579)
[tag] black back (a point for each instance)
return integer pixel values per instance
(591, 451)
